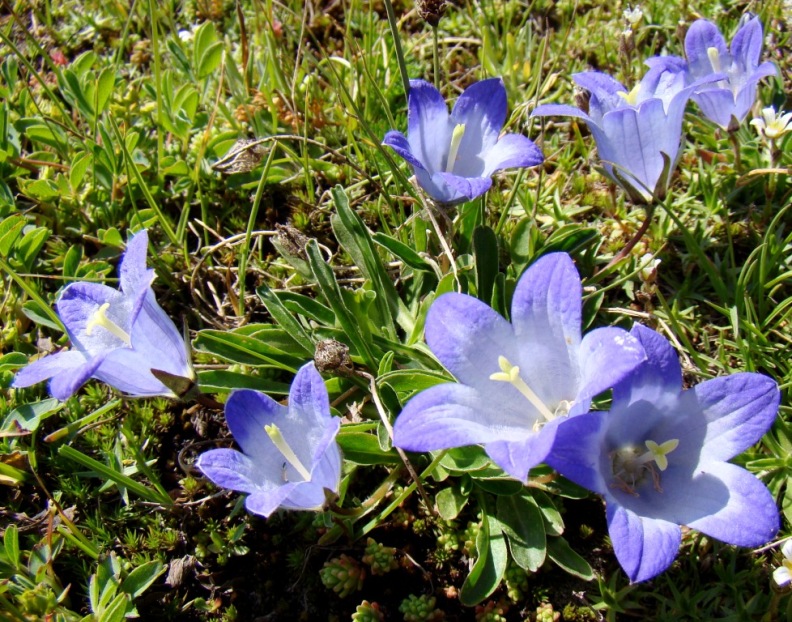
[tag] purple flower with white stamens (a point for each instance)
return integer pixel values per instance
(518, 380)
(638, 133)
(454, 156)
(659, 458)
(727, 101)
(121, 337)
(289, 453)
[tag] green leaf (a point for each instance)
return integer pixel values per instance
(409, 381)
(29, 416)
(116, 610)
(10, 228)
(553, 521)
(35, 312)
(213, 380)
(210, 60)
(561, 553)
(71, 260)
(104, 88)
(41, 190)
(207, 50)
(323, 274)
(521, 521)
(487, 572)
(239, 348)
(450, 502)
(11, 361)
(11, 544)
(284, 318)
(364, 448)
(485, 250)
(29, 246)
(402, 251)
(79, 166)
(465, 459)
(307, 307)
(141, 578)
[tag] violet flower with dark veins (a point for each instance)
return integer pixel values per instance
(289, 453)
(121, 337)
(454, 156)
(518, 380)
(659, 458)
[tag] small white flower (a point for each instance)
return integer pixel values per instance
(186, 35)
(771, 125)
(783, 574)
(633, 15)
(648, 272)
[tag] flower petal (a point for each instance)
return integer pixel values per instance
(397, 141)
(456, 189)
(129, 372)
(606, 356)
(645, 547)
(518, 457)
(468, 337)
(305, 496)
(749, 517)
(264, 503)
(428, 125)
(510, 151)
(560, 110)
(746, 46)
(658, 380)
(455, 415)
(309, 410)
(65, 384)
(482, 109)
(229, 468)
(156, 338)
(577, 450)
(77, 305)
(132, 271)
(701, 36)
(782, 576)
(326, 472)
(718, 105)
(737, 411)
(48, 366)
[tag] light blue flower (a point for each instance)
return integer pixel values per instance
(454, 156)
(659, 458)
(518, 380)
(727, 101)
(638, 133)
(289, 454)
(122, 338)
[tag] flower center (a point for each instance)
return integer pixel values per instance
(631, 97)
(714, 58)
(511, 374)
(453, 150)
(99, 318)
(286, 451)
(630, 466)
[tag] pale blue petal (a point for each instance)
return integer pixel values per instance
(645, 547)
(598, 83)
(737, 411)
(560, 110)
(158, 341)
(66, 383)
(48, 366)
(746, 46)
(468, 337)
(264, 503)
(132, 270)
(229, 468)
(309, 413)
(460, 189)
(129, 372)
(748, 518)
(305, 496)
(428, 125)
(455, 415)
(482, 109)
(701, 36)
(326, 472)
(397, 141)
(657, 380)
(510, 151)
(577, 450)
(717, 105)
(518, 457)
(79, 302)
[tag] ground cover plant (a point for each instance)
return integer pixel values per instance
(391, 311)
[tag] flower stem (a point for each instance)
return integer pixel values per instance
(394, 27)
(631, 244)
(436, 57)
(735, 144)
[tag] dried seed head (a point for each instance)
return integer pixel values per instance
(431, 10)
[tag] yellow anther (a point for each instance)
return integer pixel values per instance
(511, 374)
(99, 318)
(631, 97)
(659, 452)
(714, 58)
(453, 150)
(277, 439)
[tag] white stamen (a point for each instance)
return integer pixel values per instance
(277, 438)
(511, 374)
(99, 318)
(453, 150)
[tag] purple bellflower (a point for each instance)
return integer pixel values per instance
(659, 458)
(726, 102)
(518, 380)
(122, 338)
(289, 454)
(454, 156)
(638, 133)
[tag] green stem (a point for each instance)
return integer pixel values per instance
(436, 57)
(32, 293)
(245, 252)
(394, 27)
(157, 83)
(735, 144)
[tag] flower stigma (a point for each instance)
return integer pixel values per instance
(714, 58)
(453, 150)
(277, 438)
(99, 318)
(631, 97)
(511, 374)
(630, 466)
